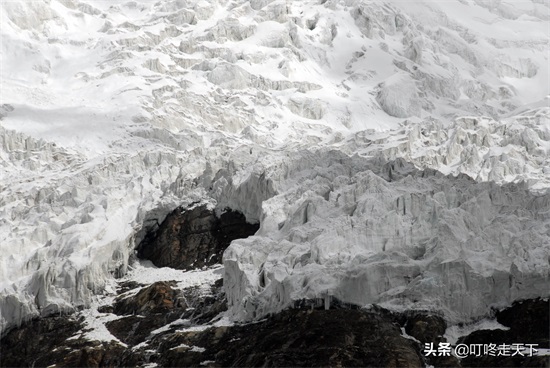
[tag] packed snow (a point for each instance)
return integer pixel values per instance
(331, 122)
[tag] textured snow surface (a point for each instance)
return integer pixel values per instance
(293, 112)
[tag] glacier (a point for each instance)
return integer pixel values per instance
(394, 152)
(368, 232)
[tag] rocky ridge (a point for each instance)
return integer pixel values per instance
(301, 336)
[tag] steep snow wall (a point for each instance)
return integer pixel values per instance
(366, 231)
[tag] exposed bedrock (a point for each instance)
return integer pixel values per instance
(298, 338)
(160, 304)
(134, 316)
(340, 336)
(193, 238)
(55, 340)
(311, 333)
(152, 307)
(528, 323)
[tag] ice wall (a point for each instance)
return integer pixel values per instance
(366, 231)
(68, 223)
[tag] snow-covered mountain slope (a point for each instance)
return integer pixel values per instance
(114, 113)
(278, 70)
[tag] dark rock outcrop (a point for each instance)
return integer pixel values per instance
(193, 238)
(425, 327)
(307, 335)
(27, 346)
(528, 321)
(159, 297)
(203, 307)
(59, 341)
(151, 308)
(55, 340)
(428, 328)
(159, 305)
(296, 338)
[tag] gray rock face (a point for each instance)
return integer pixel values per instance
(429, 328)
(159, 305)
(47, 341)
(299, 338)
(159, 297)
(311, 333)
(194, 238)
(151, 308)
(528, 323)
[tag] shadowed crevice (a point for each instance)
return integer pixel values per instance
(194, 237)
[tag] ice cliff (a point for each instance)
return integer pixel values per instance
(366, 231)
